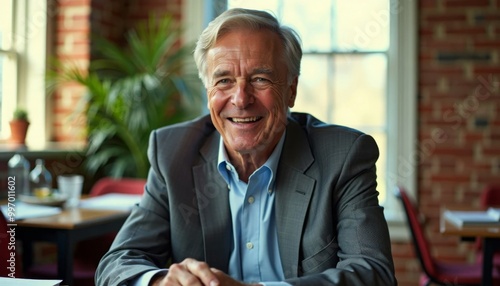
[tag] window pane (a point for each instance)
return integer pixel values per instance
(344, 89)
(361, 29)
(5, 24)
(312, 22)
(359, 89)
(314, 93)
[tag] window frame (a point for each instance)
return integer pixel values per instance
(9, 102)
(402, 112)
(30, 53)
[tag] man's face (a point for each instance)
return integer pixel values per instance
(248, 92)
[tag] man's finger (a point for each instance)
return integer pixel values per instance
(202, 271)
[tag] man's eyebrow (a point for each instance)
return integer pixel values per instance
(219, 73)
(262, 71)
(222, 73)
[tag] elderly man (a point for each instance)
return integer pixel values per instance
(254, 194)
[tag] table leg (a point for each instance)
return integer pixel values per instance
(27, 254)
(488, 250)
(65, 251)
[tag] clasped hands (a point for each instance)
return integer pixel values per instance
(191, 272)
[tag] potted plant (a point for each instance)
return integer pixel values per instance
(19, 126)
(131, 91)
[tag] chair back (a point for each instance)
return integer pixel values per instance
(107, 185)
(419, 240)
(490, 197)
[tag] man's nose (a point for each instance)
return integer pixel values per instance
(243, 95)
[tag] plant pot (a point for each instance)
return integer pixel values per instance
(18, 131)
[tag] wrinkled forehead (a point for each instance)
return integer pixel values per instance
(260, 47)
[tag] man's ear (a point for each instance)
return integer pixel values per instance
(293, 92)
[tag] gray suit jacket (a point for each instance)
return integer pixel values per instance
(331, 229)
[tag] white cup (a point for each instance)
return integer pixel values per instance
(70, 186)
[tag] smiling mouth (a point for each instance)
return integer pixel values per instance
(245, 120)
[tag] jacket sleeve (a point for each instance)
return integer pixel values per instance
(137, 247)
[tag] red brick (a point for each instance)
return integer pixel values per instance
(427, 4)
(466, 31)
(455, 44)
(465, 3)
(491, 151)
(490, 16)
(490, 178)
(443, 69)
(454, 151)
(492, 70)
(434, 18)
(493, 44)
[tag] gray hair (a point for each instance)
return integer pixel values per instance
(253, 19)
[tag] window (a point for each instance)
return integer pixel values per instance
(23, 38)
(8, 65)
(358, 70)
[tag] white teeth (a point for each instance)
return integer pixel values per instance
(248, 119)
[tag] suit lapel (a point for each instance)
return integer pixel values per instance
(213, 205)
(293, 193)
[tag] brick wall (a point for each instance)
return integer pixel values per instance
(459, 98)
(71, 46)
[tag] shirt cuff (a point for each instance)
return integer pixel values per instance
(145, 278)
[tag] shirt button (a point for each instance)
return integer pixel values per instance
(270, 191)
(251, 200)
(228, 167)
(249, 245)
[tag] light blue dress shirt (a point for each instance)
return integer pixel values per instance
(255, 257)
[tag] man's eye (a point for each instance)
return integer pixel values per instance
(260, 82)
(223, 81)
(260, 79)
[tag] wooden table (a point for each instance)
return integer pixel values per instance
(491, 242)
(66, 229)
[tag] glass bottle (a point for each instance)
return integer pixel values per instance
(41, 180)
(18, 172)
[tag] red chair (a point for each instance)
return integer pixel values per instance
(490, 197)
(438, 272)
(123, 186)
(89, 252)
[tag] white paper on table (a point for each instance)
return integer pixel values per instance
(24, 210)
(111, 201)
(4, 281)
